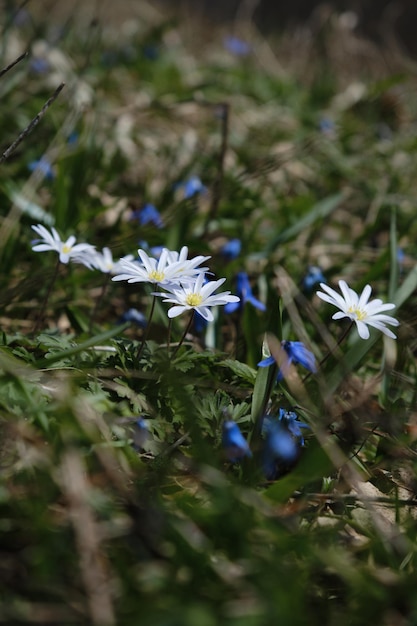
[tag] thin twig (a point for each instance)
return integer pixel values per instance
(12, 64)
(32, 124)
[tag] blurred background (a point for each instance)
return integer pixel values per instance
(384, 21)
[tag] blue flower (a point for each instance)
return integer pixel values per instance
(134, 316)
(38, 65)
(43, 165)
(140, 433)
(72, 138)
(235, 445)
(192, 187)
(244, 291)
(150, 51)
(313, 277)
(279, 450)
(236, 46)
(231, 249)
(297, 354)
(326, 126)
(289, 419)
(148, 214)
(283, 438)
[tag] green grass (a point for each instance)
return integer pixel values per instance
(95, 531)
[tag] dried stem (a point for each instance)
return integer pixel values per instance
(12, 64)
(32, 124)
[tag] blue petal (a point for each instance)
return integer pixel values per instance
(231, 249)
(290, 420)
(279, 448)
(134, 316)
(297, 351)
(140, 433)
(313, 277)
(148, 214)
(266, 362)
(235, 445)
(231, 307)
(256, 303)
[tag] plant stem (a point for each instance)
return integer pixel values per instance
(45, 301)
(169, 334)
(333, 350)
(190, 321)
(148, 325)
(338, 344)
(99, 301)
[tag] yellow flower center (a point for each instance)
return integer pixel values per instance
(194, 299)
(359, 314)
(156, 276)
(66, 249)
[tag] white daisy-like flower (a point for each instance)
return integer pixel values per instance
(189, 264)
(67, 250)
(359, 308)
(197, 296)
(103, 261)
(162, 271)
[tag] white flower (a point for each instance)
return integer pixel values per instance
(162, 271)
(197, 296)
(186, 272)
(359, 309)
(67, 250)
(102, 261)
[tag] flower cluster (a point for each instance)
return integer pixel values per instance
(184, 282)
(183, 279)
(282, 439)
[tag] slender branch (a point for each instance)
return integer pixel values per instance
(13, 63)
(32, 124)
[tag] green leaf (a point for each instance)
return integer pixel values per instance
(319, 211)
(241, 370)
(28, 207)
(90, 343)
